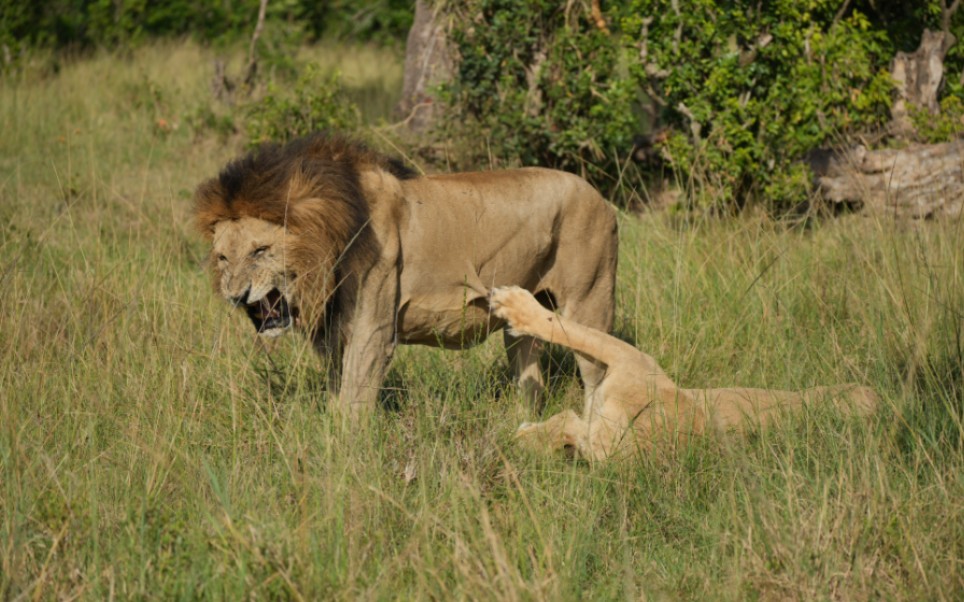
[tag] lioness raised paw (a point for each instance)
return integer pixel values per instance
(518, 307)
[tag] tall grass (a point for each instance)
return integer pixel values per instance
(151, 447)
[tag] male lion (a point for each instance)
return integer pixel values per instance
(636, 405)
(361, 253)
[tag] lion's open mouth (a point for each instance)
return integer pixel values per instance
(271, 314)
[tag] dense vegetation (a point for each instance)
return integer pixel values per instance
(81, 24)
(747, 88)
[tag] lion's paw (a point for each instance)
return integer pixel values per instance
(516, 306)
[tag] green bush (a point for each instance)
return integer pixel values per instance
(763, 87)
(945, 126)
(747, 88)
(114, 23)
(382, 21)
(538, 85)
(316, 101)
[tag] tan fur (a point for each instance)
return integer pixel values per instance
(366, 255)
(636, 405)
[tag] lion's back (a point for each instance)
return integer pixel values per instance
(498, 200)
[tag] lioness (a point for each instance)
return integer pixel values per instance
(636, 405)
(361, 253)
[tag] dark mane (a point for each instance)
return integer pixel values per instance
(267, 180)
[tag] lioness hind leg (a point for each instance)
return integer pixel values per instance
(524, 353)
(562, 431)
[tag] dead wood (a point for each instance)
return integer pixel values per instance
(919, 181)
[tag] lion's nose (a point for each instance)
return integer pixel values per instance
(241, 299)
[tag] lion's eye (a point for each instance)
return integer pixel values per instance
(259, 251)
(222, 258)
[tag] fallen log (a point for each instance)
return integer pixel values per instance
(918, 181)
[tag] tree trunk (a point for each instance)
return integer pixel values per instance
(920, 181)
(428, 63)
(917, 76)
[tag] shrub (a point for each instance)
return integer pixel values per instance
(110, 23)
(747, 87)
(756, 89)
(947, 125)
(536, 84)
(315, 101)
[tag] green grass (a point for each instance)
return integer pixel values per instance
(151, 447)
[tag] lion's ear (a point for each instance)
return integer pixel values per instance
(205, 226)
(209, 206)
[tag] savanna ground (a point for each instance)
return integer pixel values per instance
(151, 447)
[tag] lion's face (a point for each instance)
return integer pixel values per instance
(252, 270)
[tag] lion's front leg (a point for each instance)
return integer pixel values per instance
(369, 344)
(365, 363)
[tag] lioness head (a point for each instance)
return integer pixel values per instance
(249, 257)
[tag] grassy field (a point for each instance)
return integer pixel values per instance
(151, 447)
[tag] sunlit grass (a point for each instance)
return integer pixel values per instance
(151, 447)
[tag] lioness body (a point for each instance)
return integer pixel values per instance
(636, 405)
(364, 255)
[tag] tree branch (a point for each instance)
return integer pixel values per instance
(598, 17)
(947, 13)
(840, 13)
(252, 56)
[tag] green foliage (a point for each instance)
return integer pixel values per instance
(763, 86)
(113, 23)
(383, 21)
(946, 125)
(315, 101)
(747, 87)
(539, 85)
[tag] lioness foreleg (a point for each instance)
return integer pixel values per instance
(526, 316)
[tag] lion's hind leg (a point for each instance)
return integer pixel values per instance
(524, 353)
(738, 408)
